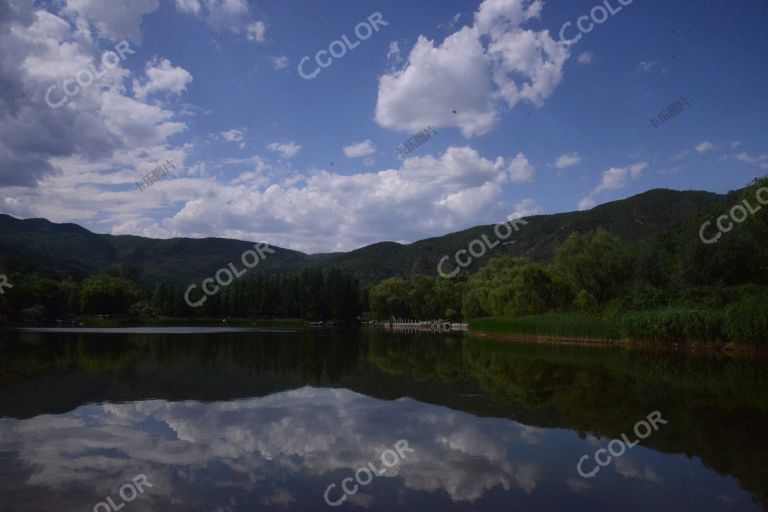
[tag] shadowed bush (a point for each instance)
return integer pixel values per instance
(673, 325)
(554, 325)
(747, 321)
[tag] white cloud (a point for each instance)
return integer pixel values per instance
(256, 31)
(286, 149)
(232, 15)
(162, 76)
(314, 211)
(360, 149)
(705, 147)
(233, 135)
(681, 156)
(280, 62)
(188, 6)
(451, 24)
(92, 130)
(524, 208)
(760, 161)
(646, 67)
(472, 72)
(568, 160)
(613, 179)
(115, 23)
(586, 58)
(618, 177)
(587, 203)
(520, 170)
(393, 53)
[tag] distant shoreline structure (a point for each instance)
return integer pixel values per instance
(403, 325)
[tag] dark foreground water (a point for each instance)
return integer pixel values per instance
(287, 420)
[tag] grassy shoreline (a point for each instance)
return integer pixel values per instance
(730, 329)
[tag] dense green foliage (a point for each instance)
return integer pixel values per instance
(668, 287)
(421, 297)
(312, 295)
(747, 321)
(674, 324)
(108, 295)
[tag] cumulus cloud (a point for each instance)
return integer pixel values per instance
(80, 163)
(586, 58)
(524, 208)
(315, 211)
(587, 203)
(189, 6)
(613, 179)
(286, 149)
(234, 135)
(760, 161)
(114, 21)
(568, 160)
(232, 15)
(520, 169)
(464, 81)
(162, 76)
(99, 125)
(256, 31)
(361, 149)
(327, 211)
(618, 177)
(705, 147)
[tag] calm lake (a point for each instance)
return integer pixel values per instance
(194, 419)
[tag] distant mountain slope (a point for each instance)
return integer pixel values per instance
(630, 219)
(68, 248)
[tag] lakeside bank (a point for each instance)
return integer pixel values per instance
(743, 328)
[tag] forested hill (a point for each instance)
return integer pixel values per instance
(37, 245)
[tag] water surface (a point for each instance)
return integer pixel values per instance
(231, 420)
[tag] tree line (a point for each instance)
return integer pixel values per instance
(596, 273)
(313, 295)
(593, 273)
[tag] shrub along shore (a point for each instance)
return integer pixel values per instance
(743, 324)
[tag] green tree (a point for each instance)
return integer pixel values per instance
(105, 294)
(390, 298)
(597, 263)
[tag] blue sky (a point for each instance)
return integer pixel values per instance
(260, 153)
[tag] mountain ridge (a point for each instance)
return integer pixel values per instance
(71, 248)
